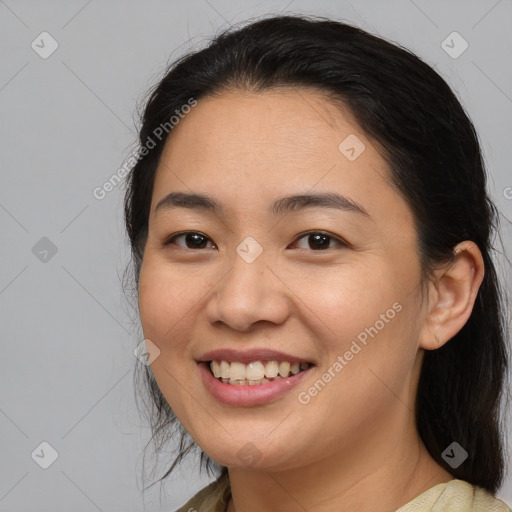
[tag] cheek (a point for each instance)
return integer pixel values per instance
(370, 319)
(344, 300)
(153, 301)
(166, 305)
(166, 299)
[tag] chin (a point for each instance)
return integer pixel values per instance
(243, 453)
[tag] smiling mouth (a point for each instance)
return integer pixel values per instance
(255, 373)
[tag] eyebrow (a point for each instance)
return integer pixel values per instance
(287, 204)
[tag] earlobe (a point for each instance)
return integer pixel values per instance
(452, 294)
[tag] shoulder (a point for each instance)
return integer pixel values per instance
(452, 496)
(455, 496)
(212, 498)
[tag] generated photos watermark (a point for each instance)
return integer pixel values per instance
(355, 348)
(100, 192)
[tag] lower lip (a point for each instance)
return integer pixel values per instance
(248, 395)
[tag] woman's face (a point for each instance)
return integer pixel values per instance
(331, 281)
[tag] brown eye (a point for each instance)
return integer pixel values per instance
(319, 241)
(190, 240)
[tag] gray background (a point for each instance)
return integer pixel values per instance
(67, 336)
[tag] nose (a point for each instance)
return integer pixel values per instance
(247, 294)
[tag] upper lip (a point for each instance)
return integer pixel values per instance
(250, 356)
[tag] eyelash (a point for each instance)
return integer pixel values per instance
(336, 239)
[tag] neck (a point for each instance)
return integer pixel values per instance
(383, 474)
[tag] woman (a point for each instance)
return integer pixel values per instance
(311, 242)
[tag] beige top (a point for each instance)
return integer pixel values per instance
(452, 496)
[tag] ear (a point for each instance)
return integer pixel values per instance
(451, 296)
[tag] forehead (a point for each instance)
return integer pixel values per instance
(288, 117)
(291, 136)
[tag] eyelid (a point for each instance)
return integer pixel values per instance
(170, 239)
(340, 241)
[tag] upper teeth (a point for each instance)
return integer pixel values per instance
(256, 370)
